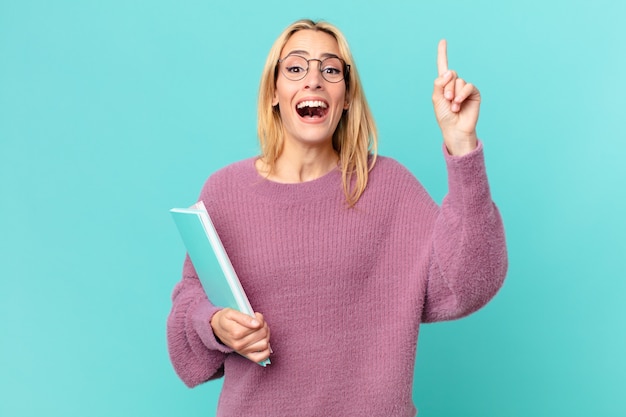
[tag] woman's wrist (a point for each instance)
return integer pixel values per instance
(461, 146)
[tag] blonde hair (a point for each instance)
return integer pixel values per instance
(355, 138)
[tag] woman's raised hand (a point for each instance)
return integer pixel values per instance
(456, 104)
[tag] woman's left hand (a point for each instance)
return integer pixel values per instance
(456, 104)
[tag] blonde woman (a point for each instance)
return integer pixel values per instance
(342, 252)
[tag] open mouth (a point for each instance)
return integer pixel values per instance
(312, 109)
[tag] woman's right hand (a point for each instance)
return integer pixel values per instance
(248, 336)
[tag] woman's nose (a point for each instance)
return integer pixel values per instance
(314, 77)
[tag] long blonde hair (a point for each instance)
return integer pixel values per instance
(355, 139)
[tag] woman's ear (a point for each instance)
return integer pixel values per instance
(275, 99)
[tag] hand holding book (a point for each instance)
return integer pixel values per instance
(248, 336)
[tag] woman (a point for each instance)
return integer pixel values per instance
(344, 253)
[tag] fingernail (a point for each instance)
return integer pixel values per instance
(254, 322)
(448, 95)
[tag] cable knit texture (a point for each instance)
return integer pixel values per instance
(344, 290)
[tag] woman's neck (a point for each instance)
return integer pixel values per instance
(299, 164)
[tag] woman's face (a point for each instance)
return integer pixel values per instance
(310, 108)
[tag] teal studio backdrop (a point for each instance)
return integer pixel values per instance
(113, 112)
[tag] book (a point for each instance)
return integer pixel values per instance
(208, 256)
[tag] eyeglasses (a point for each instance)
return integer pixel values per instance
(296, 67)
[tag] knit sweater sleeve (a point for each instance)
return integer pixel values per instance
(468, 259)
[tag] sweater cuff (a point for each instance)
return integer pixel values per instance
(456, 159)
(467, 177)
(201, 321)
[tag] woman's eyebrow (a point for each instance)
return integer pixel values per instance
(303, 52)
(298, 52)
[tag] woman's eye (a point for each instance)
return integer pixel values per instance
(295, 69)
(331, 70)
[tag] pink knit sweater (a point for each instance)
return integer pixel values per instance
(343, 290)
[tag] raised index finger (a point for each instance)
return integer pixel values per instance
(442, 57)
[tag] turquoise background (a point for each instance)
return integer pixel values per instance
(113, 112)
